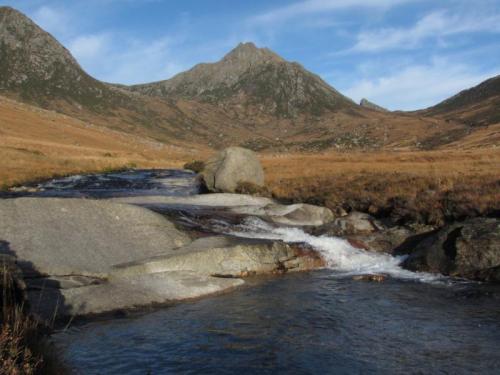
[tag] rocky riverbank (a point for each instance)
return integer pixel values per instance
(84, 256)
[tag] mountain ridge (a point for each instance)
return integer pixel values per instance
(476, 106)
(252, 97)
(249, 74)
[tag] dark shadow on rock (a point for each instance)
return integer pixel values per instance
(37, 293)
(409, 245)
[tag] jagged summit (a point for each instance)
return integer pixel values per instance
(251, 97)
(368, 104)
(38, 68)
(251, 77)
(249, 53)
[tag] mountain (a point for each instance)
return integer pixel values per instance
(36, 69)
(253, 77)
(39, 69)
(252, 97)
(368, 104)
(477, 106)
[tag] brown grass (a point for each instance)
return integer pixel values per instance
(430, 187)
(36, 144)
(23, 340)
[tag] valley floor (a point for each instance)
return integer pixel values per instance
(424, 186)
(37, 144)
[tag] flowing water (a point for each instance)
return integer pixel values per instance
(315, 322)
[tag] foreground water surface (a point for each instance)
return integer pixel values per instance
(316, 322)
(302, 323)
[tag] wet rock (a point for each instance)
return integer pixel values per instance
(221, 256)
(469, 249)
(376, 278)
(385, 241)
(84, 257)
(353, 224)
(296, 214)
(224, 171)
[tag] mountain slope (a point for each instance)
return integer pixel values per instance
(35, 68)
(368, 104)
(252, 97)
(39, 69)
(477, 106)
(250, 76)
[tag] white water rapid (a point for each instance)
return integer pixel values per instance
(340, 256)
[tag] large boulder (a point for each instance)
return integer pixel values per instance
(224, 171)
(470, 249)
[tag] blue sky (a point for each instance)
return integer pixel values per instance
(402, 54)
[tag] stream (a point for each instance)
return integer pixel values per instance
(314, 322)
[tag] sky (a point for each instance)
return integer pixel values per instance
(401, 54)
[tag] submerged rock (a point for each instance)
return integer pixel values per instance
(224, 171)
(376, 277)
(470, 249)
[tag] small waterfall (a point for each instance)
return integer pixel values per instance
(338, 253)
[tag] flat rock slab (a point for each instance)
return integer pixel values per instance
(53, 236)
(215, 255)
(82, 257)
(208, 200)
(127, 293)
(296, 214)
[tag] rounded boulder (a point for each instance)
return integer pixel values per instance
(231, 166)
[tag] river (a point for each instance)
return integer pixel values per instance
(315, 322)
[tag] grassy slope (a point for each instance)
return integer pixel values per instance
(426, 186)
(35, 143)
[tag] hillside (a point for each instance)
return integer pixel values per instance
(36, 143)
(368, 104)
(477, 106)
(288, 108)
(251, 97)
(36, 69)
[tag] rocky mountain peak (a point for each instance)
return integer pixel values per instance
(249, 78)
(38, 69)
(18, 32)
(250, 54)
(368, 104)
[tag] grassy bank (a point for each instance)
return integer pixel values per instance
(37, 144)
(429, 187)
(23, 340)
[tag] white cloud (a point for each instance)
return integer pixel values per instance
(116, 58)
(306, 7)
(51, 19)
(143, 61)
(418, 86)
(92, 46)
(434, 25)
